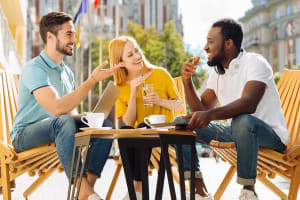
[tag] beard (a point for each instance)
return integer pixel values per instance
(217, 60)
(63, 49)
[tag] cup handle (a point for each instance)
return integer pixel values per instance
(145, 121)
(84, 120)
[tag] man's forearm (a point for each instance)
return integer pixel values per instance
(231, 110)
(68, 102)
(192, 98)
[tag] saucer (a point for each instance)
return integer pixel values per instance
(89, 128)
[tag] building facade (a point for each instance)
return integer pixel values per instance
(143, 12)
(272, 28)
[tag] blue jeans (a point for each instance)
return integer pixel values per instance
(248, 133)
(61, 130)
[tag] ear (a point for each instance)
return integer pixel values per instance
(49, 36)
(229, 44)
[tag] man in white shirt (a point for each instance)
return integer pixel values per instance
(243, 85)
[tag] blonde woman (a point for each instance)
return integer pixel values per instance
(135, 71)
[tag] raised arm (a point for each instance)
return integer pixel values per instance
(50, 100)
(129, 117)
(208, 99)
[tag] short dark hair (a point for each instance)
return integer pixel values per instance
(52, 23)
(231, 29)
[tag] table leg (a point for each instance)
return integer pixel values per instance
(165, 153)
(181, 174)
(160, 179)
(126, 166)
(71, 175)
(193, 158)
(144, 172)
(79, 142)
(81, 171)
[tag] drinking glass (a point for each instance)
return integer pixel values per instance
(147, 89)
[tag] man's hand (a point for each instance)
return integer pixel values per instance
(199, 119)
(152, 98)
(189, 68)
(100, 74)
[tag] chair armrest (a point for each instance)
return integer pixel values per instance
(292, 152)
(221, 145)
(8, 151)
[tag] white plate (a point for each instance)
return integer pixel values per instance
(88, 128)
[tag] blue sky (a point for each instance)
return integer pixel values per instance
(198, 16)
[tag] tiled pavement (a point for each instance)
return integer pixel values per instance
(55, 188)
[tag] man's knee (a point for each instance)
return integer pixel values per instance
(242, 125)
(243, 120)
(65, 122)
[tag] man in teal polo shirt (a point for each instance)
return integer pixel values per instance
(47, 98)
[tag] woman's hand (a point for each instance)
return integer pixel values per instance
(135, 83)
(100, 74)
(152, 98)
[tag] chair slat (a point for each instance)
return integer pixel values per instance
(180, 88)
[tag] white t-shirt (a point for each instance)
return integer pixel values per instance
(251, 67)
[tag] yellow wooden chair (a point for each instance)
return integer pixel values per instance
(271, 163)
(155, 156)
(42, 160)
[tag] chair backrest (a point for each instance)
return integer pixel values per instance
(8, 104)
(289, 92)
(180, 88)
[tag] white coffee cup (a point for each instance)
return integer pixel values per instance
(155, 119)
(93, 120)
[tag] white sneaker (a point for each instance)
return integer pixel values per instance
(139, 196)
(247, 195)
(94, 196)
(199, 197)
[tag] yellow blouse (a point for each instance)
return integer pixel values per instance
(163, 85)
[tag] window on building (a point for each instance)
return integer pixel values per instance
(165, 14)
(121, 23)
(277, 14)
(288, 10)
(150, 11)
(156, 13)
(114, 15)
(289, 29)
(99, 12)
(275, 33)
(143, 14)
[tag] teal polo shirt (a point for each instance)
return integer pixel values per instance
(39, 72)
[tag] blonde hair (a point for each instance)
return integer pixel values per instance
(116, 47)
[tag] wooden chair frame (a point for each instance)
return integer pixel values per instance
(41, 160)
(271, 163)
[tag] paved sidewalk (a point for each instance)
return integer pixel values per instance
(55, 188)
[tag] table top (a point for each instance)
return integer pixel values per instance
(117, 133)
